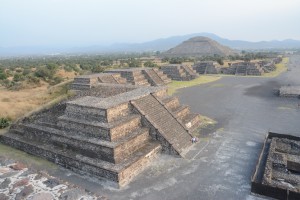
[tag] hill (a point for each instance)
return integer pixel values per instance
(198, 47)
(161, 44)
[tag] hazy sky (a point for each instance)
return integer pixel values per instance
(93, 22)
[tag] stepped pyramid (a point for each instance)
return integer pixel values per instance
(142, 76)
(179, 72)
(111, 131)
(205, 68)
(88, 81)
(198, 47)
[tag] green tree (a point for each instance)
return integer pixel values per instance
(220, 61)
(3, 76)
(44, 73)
(4, 122)
(98, 69)
(132, 62)
(52, 66)
(150, 64)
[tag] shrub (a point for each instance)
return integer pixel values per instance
(97, 69)
(150, 64)
(26, 72)
(19, 70)
(3, 76)
(52, 66)
(18, 77)
(4, 122)
(176, 60)
(33, 79)
(56, 80)
(220, 61)
(44, 73)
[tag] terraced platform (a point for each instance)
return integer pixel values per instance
(142, 76)
(111, 131)
(179, 72)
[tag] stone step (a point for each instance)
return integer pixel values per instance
(120, 173)
(171, 102)
(153, 78)
(162, 75)
(111, 131)
(109, 151)
(191, 121)
(107, 79)
(89, 113)
(138, 78)
(189, 71)
(120, 80)
(181, 111)
(143, 82)
(79, 86)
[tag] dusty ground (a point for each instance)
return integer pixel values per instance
(19, 182)
(221, 164)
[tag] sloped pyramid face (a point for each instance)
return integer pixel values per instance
(199, 46)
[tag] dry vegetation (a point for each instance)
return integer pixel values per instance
(14, 104)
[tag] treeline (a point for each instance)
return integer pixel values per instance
(17, 72)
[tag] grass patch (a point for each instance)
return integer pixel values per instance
(206, 125)
(280, 67)
(175, 85)
(217, 85)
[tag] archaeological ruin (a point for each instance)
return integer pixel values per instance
(289, 91)
(179, 72)
(113, 126)
(255, 68)
(277, 172)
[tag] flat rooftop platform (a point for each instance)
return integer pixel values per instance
(94, 75)
(104, 103)
(127, 69)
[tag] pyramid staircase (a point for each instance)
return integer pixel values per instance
(134, 76)
(156, 77)
(143, 76)
(161, 74)
(200, 67)
(190, 121)
(179, 72)
(190, 72)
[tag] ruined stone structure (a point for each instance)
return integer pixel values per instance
(289, 91)
(179, 72)
(277, 172)
(88, 81)
(142, 76)
(239, 68)
(110, 131)
(135, 76)
(206, 68)
(243, 69)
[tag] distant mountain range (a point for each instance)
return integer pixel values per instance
(162, 44)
